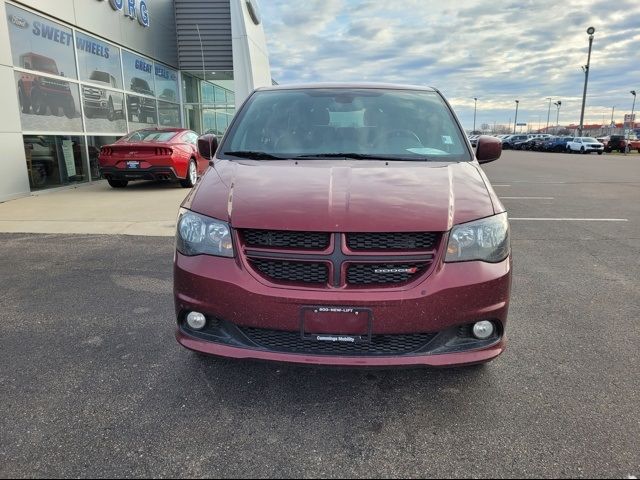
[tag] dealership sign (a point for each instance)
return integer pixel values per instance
(134, 9)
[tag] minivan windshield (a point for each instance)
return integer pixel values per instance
(360, 123)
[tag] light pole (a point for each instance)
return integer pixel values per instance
(475, 105)
(515, 122)
(548, 115)
(626, 148)
(590, 31)
(612, 124)
(557, 104)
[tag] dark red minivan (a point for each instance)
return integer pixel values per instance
(344, 225)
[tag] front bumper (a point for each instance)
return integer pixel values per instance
(457, 359)
(455, 295)
(96, 105)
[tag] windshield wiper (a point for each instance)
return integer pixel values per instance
(254, 155)
(363, 156)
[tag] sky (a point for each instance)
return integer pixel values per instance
(495, 51)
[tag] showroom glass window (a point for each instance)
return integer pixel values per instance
(55, 160)
(95, 143)
(39, 44)
(99, 65)
(44, 54)
(98, 61)
(139, 79)
(167, 90)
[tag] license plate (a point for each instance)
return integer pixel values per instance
(336, 324)
(132, 164)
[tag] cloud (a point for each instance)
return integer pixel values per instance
(527, 50)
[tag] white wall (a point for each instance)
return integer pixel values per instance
(251, 67)
(14, 181)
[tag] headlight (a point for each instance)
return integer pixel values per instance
(486, 240)
(200, 235)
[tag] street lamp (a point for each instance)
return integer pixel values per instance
(557, 104)
(548, 115)
(475, 105)
(633, 124)
(516, 120)
(590, 31)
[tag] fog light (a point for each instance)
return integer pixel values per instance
(483, 330)
(196, 320)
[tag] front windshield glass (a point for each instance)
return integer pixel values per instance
(589, 140)
(325, 122)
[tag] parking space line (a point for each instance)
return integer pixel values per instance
(526, 198)
(541, 219)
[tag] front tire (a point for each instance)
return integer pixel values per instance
(69, 110)
(38, 104)
(117, 183)
(25, 104)
(192, 175)
(111, 114)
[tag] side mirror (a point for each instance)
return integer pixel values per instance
(207, 146)
(488, 149)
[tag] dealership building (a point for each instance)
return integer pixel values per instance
(78, 74)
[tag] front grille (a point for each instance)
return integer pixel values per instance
(291, 342)
(365, 273)
(391, 241)
(305, 272)
(284, 239)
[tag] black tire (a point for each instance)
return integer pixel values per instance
(38, 176)
(117, 183)
(25, 104)
(111, 114)
(189, 181)
(582, 151)
(599, 153)
(69, 110)
(38, 104)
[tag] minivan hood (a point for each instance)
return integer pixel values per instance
(345, 196)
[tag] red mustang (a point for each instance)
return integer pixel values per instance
(153, 154)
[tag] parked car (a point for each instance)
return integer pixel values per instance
(510, 141)
(141, 109)
(99, 102)
(604, 141)
(620, 143)
(41, 95)
(557, 144)
(585, 145)
(322, 235)
(527, 144)
(153, 154)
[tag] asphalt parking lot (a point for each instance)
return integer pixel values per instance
(93, 384)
